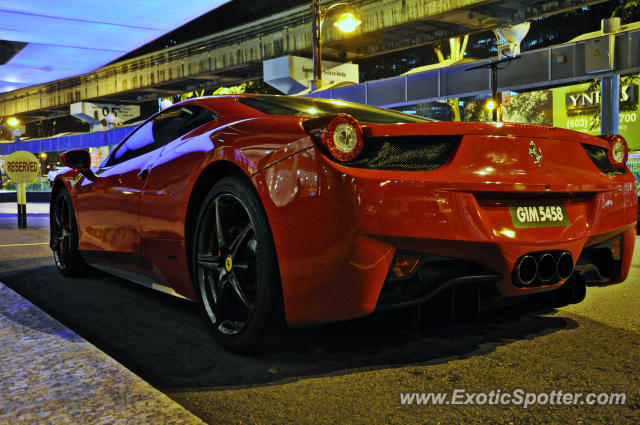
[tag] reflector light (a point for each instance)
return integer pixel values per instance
(342, 136)
(404, 265)
(616, 252)
(618, 152)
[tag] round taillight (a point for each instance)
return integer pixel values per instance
(618, 152)
(342, 136)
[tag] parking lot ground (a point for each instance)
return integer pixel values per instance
(351, 372)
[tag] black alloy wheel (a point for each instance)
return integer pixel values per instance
(235, 267)
(64, 236)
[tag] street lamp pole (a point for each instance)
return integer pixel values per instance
(316, 82)
(347, 23)
(496, 99)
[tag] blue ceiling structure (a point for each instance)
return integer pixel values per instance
(46, 40)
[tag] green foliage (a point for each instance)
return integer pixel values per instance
(476, 111)
(254, 86)
(629, 11)
(531, 107)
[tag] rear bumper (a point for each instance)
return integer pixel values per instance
(598, 264)
(337, 229)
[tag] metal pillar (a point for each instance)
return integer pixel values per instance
(496, 113)
(609, 104)
(316, 82)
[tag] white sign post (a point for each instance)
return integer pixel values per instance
(22, 167)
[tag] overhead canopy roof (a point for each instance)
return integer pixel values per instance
(46, 40)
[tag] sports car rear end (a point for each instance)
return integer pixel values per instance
(496, 209)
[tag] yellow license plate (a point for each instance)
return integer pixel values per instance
(538, 214)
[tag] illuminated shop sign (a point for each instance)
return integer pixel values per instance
(577, 107)
(591, 99)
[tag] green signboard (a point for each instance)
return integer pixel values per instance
(577, 108)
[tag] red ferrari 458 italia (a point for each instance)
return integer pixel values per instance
(273, 209)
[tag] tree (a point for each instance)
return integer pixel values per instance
(629, 11)
(254, 86)
(476, 111)
(456, 53)
(530, 107)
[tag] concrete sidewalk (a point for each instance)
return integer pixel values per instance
(51, 375)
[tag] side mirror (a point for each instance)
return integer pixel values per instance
(78, 159)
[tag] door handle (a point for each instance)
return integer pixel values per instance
(143, 174)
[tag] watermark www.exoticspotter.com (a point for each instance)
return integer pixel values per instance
(516, 397)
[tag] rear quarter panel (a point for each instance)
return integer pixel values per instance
(246, 144)
(249, 143)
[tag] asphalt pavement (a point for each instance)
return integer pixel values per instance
(350, 372)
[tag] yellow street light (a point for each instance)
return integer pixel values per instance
(490, 105)
(347, 22)
(43, 156)
(13, 122)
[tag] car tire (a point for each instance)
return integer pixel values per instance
(64, 236)
(235, 269)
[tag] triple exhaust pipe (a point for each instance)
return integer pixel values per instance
(543, 268)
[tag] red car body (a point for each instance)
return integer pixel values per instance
(337, 228)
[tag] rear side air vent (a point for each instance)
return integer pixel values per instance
(406, 153)
(599, 157)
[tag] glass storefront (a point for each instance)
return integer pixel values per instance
(49, 161)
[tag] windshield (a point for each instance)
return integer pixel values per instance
(309, 107)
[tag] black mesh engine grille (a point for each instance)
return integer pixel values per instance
(406, 153)
(599, 157)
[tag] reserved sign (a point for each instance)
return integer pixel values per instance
(22, 166)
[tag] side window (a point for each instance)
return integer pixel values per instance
(165, 127)
(179, 121)
(140, 140)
